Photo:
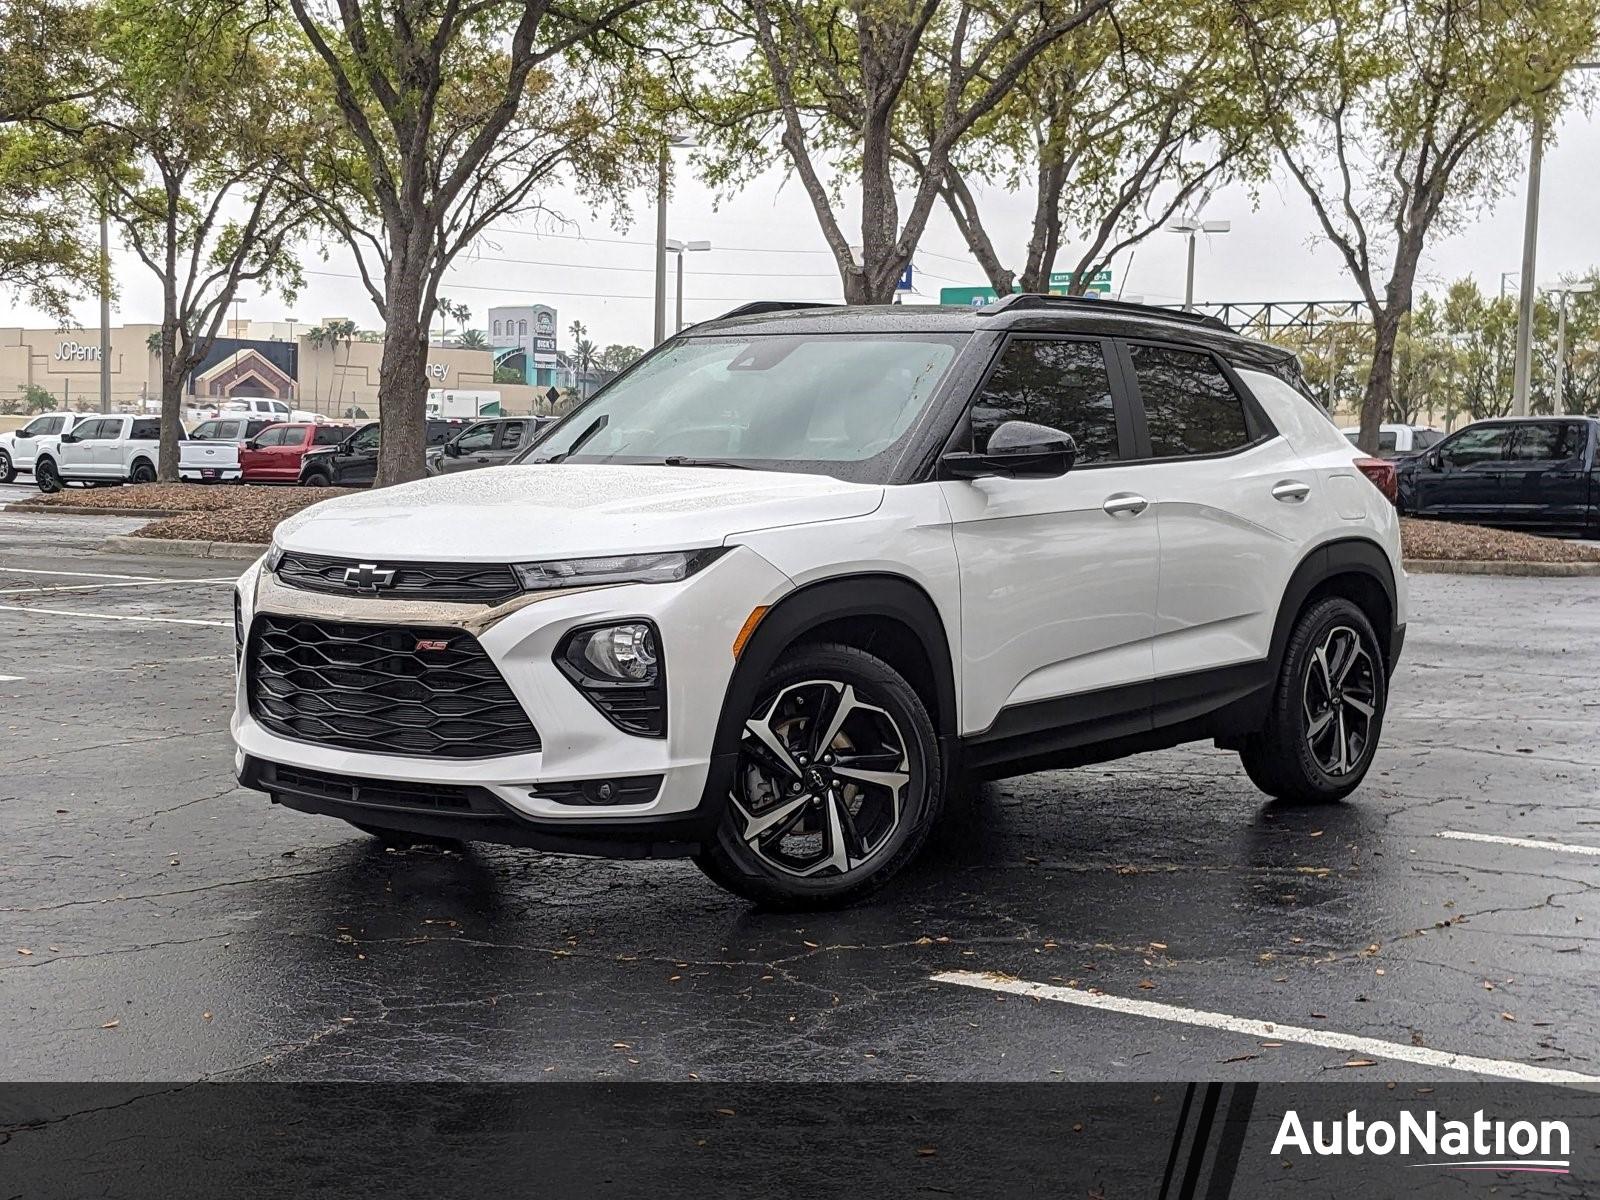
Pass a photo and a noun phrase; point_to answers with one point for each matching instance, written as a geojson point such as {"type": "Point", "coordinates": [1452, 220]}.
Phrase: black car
{"type": "Point", "coordinates": [354, 461]}
{"type": "Point", "coordinates": [486, 443]}
{"type": "Point", "coordinates": [1538, 474]}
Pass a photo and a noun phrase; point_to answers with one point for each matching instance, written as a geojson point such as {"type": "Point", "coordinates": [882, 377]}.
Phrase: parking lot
{"type": "Point", "coordinates": [1153, 918]}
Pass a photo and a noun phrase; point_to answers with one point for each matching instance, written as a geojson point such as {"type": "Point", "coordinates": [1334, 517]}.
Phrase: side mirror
{"type": "Point", "coordinates": [453, 449]}
{"type": "Point", "coordinates": [1435, 460]}
{"type": "Point", "coordinates": [23, 433]}
{"type": "Point", "coordinates": [1017, 450]}
{"type": "Point", "coordinates": [251, 444]}
{"type": "Point", "coordinates": [69, 437]}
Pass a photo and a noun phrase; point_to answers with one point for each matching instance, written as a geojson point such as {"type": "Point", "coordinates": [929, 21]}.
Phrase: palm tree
{"type": "Point", "coordinates": [473, 339]}
{"type": "Point", "coordinates": [584, 353]}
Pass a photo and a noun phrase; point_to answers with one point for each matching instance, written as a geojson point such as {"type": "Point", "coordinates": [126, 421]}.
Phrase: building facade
{"type": "Point", "coordinates": [524, 338]}
{"type": "Point", "coordinates": [338, 379]}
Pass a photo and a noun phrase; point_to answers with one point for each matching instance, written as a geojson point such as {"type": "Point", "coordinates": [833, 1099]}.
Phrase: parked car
{"type": "Point", "coordinates": [486, 443]}
{"type": "Point", "coordinates": [354, 461]}
{"type": "Point", "coordinates": [1536, 474]}
{"type": "Point", "coordinates": [1397, 441]}
{"type": "Point", "coordinates": [259, 406]}
{"type": "Point", "coordinates": [761, 597]}
{"type": "Point", "coordinates": [210, 454]}
{"type": "Point", "coordinates": [19, 448]}
{"type": "Point", "coordinates": [101, 450]}
{"type": "Point", "coordinates": [274, 455]}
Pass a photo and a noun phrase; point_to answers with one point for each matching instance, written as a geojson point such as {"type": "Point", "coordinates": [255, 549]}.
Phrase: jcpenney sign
{"type": "Point", "coordinates": [77, 352]}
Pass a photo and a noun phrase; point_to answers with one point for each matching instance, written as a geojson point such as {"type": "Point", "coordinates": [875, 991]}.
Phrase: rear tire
{"type": "Point", "coordinates": [1327, 708]}
{"type": "Point", "coordinates": [838, 783]}
{"type": "Point", "coordinates": [45, 475]}
{"type": "Point", "coordinates": [8, 469]}
{"type": "Point", "coordinates": [143, 472]}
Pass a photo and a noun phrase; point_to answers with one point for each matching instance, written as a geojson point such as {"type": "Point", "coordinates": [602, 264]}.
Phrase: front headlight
{"type": "Point", "coordinates": [271, 559]}
{"type": "Point", "coordinates": [623, 568]}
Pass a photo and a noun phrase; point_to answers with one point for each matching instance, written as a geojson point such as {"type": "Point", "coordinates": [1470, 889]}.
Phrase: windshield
{"type": "Point", "coordinates": [828, 404]}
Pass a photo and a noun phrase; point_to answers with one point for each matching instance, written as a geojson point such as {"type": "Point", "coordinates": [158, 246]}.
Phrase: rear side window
{"type": "Point", "coordinates": [1548, 442]}
{"type": "Point", "coordinates": [1064, 385]}
{"type": "Point", "coordinates": [1421, 439]}
{"type": "Point", "coordinates": [146, 430]}
{"type": "Point", "coordinates": [329, 435]}
{"type": "Point", "coordinates": [1189, 406]}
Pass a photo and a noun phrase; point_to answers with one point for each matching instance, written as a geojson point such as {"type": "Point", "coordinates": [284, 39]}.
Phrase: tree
{"type": "Point", "coordinates": [438, 118]}
{"type": "Point", "coordinates": [618, 357]}
{"type": "Point", "coordinates": [473, 339]}
{"type": "Point", "coordinates": [1405, 116]}
{"type": "Point", "coordinates": [1117, 126]}
{"type": "Point", "coordinates": [50, 71]}
{"type": "Point", "coordinates": [584, 355]}
{"type": "Point", "coordinates": [827, 89]}
{"type": "Point", "coordinates": [192, 108]}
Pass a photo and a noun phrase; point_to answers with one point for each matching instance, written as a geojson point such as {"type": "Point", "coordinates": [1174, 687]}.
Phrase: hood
{"type": "Point", "coordinates": [530, 512]}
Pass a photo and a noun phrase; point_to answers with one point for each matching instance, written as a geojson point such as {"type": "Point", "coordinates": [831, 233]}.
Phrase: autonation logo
{"type": "Point", "coordinates": [1476, 1145]}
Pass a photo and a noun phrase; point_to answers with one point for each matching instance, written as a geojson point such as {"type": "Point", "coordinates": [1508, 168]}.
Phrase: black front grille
{"type": "Point", "coordinates": [382, 793]}
{"type": "Point", "coordinates": [472, 583]}
{"type": "Point", "coordinates": [383, 689]}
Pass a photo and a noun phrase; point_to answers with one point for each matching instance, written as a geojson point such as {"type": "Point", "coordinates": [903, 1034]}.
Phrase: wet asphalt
{"type": "Point", "coordinates": [163, 924]}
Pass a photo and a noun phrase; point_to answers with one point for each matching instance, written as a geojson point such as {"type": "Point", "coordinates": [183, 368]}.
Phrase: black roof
{"type": "Point", "coordinates": [1042, 314]}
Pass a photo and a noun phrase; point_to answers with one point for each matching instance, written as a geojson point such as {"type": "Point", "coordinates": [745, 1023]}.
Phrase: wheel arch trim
{"type": "Point", "coordinates": [1342, 556]}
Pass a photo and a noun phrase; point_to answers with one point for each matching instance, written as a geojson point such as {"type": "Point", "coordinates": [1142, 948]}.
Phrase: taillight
{"type": "Point", "coordinates": [1382, 474]}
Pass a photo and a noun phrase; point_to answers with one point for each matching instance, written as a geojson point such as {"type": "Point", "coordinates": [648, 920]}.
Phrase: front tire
{"type": "Point", "coordinates": [316, 479]}
{"type": "Point", "coordinates": [838, 783]}
{"type": "Point", "coordinates": [1327, 708]}
{"type": "Point", "coordinates": [45, 475]}
{"type": "Point", "coordinates": [8, 469]}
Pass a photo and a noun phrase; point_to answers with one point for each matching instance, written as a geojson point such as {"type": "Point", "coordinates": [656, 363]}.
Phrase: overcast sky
{"type": "Point", "coordinates": [766, 245]}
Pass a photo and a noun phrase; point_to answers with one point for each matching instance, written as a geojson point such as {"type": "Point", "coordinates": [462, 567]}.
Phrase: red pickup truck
{"type": "Point", "coordinates": [274, 454]}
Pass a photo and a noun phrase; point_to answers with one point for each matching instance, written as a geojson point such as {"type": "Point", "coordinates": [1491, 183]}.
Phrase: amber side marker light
{"type": "Point", "coordinates": [747, 629]}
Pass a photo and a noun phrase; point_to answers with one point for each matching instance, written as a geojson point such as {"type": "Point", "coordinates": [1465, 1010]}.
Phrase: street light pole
{"type": "Point", "coordinates": [1558, 403]}
{"type": "Point", "coordinates": [680, 249]}
{"type": "Point", "coordinates": [663, 173]}
{"type": "Point", "coordinates": [105, 311]}
{"type": "Point", "coordinates": [1192, 228]}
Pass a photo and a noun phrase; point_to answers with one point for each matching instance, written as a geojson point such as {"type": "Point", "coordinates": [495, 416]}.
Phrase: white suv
{"type": "Point", "coordinates": [19, 449]}
{"type": "Point", "coordinates": [764, 595]}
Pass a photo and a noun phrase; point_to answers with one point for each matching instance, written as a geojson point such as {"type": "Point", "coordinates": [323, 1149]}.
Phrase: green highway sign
{"type": "Point", "coordinates": [1060, 282]}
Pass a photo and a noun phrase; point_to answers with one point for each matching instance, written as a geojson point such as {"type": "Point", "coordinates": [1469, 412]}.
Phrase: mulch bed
{"type": "Point", "coordinates": [1442, 540]}
{"type": "Point", "coordinates": [249, 513]}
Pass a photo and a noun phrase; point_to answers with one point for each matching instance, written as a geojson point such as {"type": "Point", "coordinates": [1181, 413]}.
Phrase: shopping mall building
{"type": "Point", "coordinates": [279, 360]}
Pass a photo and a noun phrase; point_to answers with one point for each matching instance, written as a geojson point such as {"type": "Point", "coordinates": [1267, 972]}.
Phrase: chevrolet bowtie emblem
{"type": "Point", "coordinates": [367, 577]}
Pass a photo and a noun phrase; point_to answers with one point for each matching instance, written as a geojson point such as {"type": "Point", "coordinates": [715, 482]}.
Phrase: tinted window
{"type": "Point", "coordinates": [1478, 444]}
{"type": "Point", "coordinates": [251, 428]}
{"type": "Point", "coordinates": [1388, 442]}
{"type": "Point", "coordinates": [1550, 441]}
{"type": "Point", "coordinates": [93, 431]}
{"type": "Point", "coordinates": [479, 437]}
{"type": "Point", "coordinates": [329, 435]}
{"type": "Point", "coordinates": [279, 435]}
{"type": "Point", "coordinates": [1064, 385]}
{"type": "Point", "coordinates": [44, 425]}
{"type": "Point", "coordinates": [146, 430]}
{"type": "Point", "coordinates": [1189, 405]}
{"type": "Point", "coordinates": [207, 431]}
{"type": "Point", "coordinates": [510, 435]}
{"type": "Point", "coordinates": [367, 439]}
{"type": "Point", "coordinates": [1421, 439]}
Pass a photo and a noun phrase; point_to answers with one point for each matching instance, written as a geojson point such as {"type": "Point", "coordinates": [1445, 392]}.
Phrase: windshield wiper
{"type": "Point", "coordinates": [598, 424]}
{"type": "Point", "coordinates": [678, 460]}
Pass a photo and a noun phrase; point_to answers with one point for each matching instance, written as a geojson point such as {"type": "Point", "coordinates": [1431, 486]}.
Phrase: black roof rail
{"type": "Point", "coordinates": [1038, 300]}
{"type": "Point", "coordinates": [756, 307]}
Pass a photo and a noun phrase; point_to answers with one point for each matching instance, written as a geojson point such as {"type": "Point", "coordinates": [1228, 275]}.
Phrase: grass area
{"type": "Point", "coordinates": [248, 513]}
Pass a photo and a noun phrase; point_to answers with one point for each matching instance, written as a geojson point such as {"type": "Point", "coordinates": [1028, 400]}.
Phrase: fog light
{"type": "Point", "coordinates": [623, 652]}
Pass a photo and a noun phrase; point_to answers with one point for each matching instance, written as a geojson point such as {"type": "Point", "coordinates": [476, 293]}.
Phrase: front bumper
{"type": "Point", "coordinates": [529, 798]}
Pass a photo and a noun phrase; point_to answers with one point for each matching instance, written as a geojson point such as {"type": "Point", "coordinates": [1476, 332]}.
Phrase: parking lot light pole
{"type": "Point", "coordinates": [680, 249]}
{"type": "Point", "coordinates": [663, 175]}
{"type": "Point", "coordinates": [1558, 402]}
{"type": "Point", "coordinates": [1192, 229]}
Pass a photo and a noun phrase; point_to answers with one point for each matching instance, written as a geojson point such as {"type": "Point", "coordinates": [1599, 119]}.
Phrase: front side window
{"type": "Point", "coordinates": [1064, 385]}
{"type": "Point", "coordinates": [366, 439]}
{"type": "Point", "coordinates": [824, 403]}
{"type": "Point", "coordinates": [44, 425]}
{"type": "Point", "coordinates": [94, 431]}
{"type": "Point", "coordinates": [479, 437]}
{"type": "Point", "coordinates": [1478, 444]}
{"type": "Point", "coordinates": [1190, 408]}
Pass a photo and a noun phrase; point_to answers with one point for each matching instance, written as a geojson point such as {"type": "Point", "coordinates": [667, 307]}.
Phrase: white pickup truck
{"type": "Point", "coordinates": [258, 406]}
{"type": "Point", "coordinates": [100, 450]}
{"type": "Point", "coordinates": [19, 449]}
{"type": "Point", "coordinates": [210, 454]}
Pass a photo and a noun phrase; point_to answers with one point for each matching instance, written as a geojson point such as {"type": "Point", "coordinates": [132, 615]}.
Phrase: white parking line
{"type": "Point", "coordinates": [1496, 839]}
{"type": "Point", "coordinates": [95, 587]}
{"type": "Point", "coordinates": [10, 678]}
{"type": "Point", "coordinates": [1326, 1038]}
{"type": "Point", "coordinates": [63, 612]}
{"type": "Point", "coordinates": [79, 574]}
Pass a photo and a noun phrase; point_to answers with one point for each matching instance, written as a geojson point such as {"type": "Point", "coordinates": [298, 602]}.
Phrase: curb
{"type": "Point", "coordinates": [1539, 570]}
{"type": "Point", "coordinates": [183, 548]}
{"type": "Point", "coordinates": [84, 510]}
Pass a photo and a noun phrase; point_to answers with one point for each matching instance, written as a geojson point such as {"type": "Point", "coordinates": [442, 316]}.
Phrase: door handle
{"type": "Point", "coordinates": [1125, 504]}
{"type": "Point", "coordinates": [1291, 491]}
